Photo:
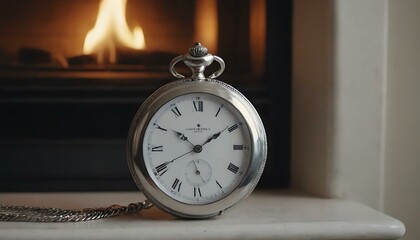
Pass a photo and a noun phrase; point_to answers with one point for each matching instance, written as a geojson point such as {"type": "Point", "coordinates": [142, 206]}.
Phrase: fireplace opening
{"type": "Point", "coordinates": [73, 73]}
{"type": "Point", "coordinates": [113, 34]}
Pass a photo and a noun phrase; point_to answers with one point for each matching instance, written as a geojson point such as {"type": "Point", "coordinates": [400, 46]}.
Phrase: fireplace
{"type": "Point", "coordinates": [65, 107]}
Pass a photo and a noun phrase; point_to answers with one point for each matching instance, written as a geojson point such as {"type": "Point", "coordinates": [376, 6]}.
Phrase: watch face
{"type": "Point", "coordinates": [196, 148]}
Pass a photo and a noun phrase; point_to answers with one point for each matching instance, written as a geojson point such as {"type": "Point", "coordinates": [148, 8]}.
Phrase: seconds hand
{"type": "Point", "coordinates": [197, 171]}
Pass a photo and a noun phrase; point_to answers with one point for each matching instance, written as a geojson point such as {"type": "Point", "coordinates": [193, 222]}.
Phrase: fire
{"type": "Point", "coordinates": [111, 26]}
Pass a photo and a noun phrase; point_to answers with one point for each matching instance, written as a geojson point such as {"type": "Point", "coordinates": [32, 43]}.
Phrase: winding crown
{"type": "Point", "coordinates": [198, 50]}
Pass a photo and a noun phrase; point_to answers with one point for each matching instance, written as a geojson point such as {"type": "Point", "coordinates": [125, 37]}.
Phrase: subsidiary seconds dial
{"type": "Point", "coordinates": [196, 148]}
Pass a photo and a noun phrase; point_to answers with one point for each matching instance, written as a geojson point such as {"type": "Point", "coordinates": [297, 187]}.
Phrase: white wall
{"type": "Point", "coordinates": [311, 96]}
{"type": "Point", "coordinates": [338, 98]}
{"type": "Point", "coordinates": [402, 159]}
{"type": "Point", "coordinates": [356, 103]}
{"type": "Point", "coordinates": [359, 73]}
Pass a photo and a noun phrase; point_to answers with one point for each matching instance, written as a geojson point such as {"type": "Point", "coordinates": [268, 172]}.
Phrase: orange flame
{"type": "Point", "coordinates": [111, 25]}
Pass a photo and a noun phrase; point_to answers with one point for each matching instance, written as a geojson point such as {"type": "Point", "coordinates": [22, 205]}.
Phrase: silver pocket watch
{"type": "Point", "coordinates": [196, 146]}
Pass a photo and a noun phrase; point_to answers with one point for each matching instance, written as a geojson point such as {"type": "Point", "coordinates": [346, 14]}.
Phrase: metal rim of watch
{"type": "Point", "coordinates": [136, 135]}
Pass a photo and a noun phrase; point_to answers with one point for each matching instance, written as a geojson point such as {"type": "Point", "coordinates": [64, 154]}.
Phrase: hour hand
{"type": "Point", "coordinates": [182, 137]}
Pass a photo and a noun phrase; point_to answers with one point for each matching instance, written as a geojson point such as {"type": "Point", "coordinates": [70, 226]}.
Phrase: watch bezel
{"type": "Point", "coordinates": [258, 145]}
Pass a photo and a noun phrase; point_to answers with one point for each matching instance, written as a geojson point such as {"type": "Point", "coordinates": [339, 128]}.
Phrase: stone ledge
{"type": "Point", "coordinates": [264, 215]}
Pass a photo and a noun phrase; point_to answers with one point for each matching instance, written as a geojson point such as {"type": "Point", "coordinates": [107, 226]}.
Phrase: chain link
{"type": "Point", "coordinates": [11, 213]}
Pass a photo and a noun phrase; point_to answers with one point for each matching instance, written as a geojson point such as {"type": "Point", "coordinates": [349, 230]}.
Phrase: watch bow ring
{"type": "Point", "coordinates": [197, 59]}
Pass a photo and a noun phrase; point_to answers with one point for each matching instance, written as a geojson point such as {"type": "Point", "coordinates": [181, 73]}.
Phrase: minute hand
{"type": "Point", "coordinates": [180, 156]}
{"type": "Point", "coordinates": [171, 161]}
{"type": "Point", "coordinates": [216, 135]}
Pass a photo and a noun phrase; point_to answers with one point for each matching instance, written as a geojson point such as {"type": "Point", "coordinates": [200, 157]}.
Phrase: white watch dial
{"type": "Point", "coordinates": [196, 148]}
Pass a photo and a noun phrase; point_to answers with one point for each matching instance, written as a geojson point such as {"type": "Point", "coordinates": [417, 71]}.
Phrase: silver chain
{"type": "Point", "coordinates": [11, 213]}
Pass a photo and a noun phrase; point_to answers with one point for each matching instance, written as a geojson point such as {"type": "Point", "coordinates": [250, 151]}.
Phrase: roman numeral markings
{"type": "Point", "coordinates": [157, 149]}
{"type": "Point", "coordinates": [198, 106]}
{"type": "Point", "coordinates": [238, 147]}
{"type": "Point", "coordinates": [233, 168]}
{"type": "Point", "coordinates": [162, 168]}
{"type": "Point", "coordinates": [233, 128]}
{"type": "Point", "coordinates": [176, 111]}
{"type": "Point", "coordinates": [197, 191]}
{"type": "Point", "coordinates": [218, 110]}
{"type": "Point", "coordinates": [176, 185]}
